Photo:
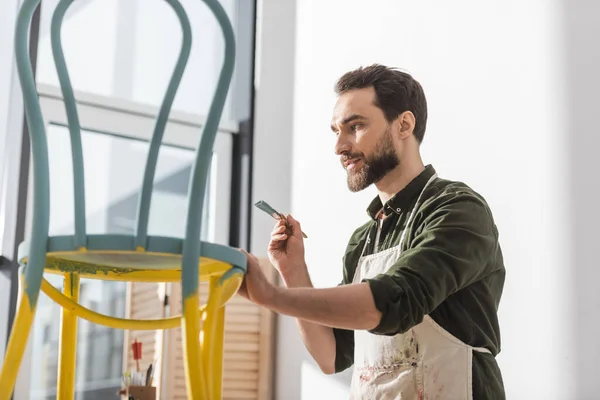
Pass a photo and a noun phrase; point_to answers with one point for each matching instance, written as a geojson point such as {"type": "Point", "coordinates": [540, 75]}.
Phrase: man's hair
{"type": "Point", "coordinates": [395, 93]}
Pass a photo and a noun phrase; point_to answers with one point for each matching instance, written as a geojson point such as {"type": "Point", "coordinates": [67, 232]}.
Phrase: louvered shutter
{"type": "Point", "coordinates": [248, 349]}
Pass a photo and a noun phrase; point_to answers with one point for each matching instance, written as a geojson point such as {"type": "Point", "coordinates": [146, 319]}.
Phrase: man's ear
{"type": "Point", "coordinates": [405, 124]}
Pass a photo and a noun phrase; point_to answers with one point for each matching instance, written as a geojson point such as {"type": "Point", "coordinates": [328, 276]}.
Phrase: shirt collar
{"type": "Point", "coordinates": [403, 198]}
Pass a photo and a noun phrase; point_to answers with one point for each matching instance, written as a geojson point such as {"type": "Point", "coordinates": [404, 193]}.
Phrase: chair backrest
{"type": "Point", "coordinates": [39, 145]}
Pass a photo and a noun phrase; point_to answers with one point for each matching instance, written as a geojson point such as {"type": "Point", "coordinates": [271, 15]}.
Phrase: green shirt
{"type": "Point", "coordinates": [450, 268]}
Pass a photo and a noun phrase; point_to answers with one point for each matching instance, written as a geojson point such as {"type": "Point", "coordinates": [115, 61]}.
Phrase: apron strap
{"type": "Point", "coordinates": [412, 213]}
{"type": "Point", "coordinates": [367, 241]}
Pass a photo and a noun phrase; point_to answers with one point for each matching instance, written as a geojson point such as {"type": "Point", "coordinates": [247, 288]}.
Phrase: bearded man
{"type": "Point", "coordinates": [416, 311]}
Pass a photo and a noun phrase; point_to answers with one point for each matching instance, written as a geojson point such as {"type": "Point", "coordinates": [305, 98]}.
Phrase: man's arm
{"type": "Point", "coordinates": [455, 245]}
{"type": "Point", "coordinates": [345, 307]}
{"type": "Point", "coordinates": [452, 251]}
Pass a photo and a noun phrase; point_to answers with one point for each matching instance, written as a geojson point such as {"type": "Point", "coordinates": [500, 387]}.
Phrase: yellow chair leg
{"type": "Point", "coordinates": [194, 373]}
{"type": "Point", "coordinates": [212, 347]}
{"type": "Point", "coordinates": [16, 347]}
{"type": "Point", "coordinates": [67, 345]}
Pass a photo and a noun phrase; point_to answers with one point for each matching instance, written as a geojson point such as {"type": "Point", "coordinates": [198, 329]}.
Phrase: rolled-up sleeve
{"type": "Point", "coordinates": [344, 349]}
{"type": "Point", "coordinates": [344, 346]}
{"type": "Point", "coordinates": [451, 249]}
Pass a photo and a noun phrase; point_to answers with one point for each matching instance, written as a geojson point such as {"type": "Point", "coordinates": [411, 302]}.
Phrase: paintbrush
{"type": "Point", "coordinates": [263, 205]}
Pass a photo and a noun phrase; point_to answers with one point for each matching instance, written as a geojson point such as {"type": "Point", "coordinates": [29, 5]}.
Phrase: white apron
{"type": "Point", "coordinates": [424, 363]}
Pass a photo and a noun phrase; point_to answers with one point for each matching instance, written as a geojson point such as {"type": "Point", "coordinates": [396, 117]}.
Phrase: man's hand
{"type": "Point", "coordinates": [286, 251]}
{"type": "Point", "coordinates": [256, 287]}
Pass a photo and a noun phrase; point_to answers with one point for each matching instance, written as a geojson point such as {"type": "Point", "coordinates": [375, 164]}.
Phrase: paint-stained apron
{"type": "Point", "coordinates": [424, 363]}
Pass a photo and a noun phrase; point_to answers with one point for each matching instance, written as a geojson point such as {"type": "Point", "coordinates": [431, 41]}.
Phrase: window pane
{"type": "Point", "coordinates": [99, 349]}
{"type": "Point", "coordinates": [128, 49]}
{"type": "Point", "coordinates": [114, 168]}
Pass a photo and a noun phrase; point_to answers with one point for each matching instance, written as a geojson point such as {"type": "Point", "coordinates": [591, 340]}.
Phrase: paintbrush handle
{"type": "Point", "coordinates": [281, 216]}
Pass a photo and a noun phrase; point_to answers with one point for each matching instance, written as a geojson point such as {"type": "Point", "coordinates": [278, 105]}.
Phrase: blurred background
{"type": "Point", "coordinates": [512, 92]}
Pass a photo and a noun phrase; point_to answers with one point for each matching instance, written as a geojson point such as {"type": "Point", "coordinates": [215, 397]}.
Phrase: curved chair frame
{"type": "Point", "coordinates": [222, 266]}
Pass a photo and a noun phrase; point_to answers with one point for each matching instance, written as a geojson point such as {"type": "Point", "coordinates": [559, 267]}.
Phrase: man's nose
{"type": "Point", "coordinates": [342, 145]}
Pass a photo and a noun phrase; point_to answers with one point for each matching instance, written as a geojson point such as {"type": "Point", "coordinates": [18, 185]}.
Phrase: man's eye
{"type": "Point", "coordinates": [355, 127]}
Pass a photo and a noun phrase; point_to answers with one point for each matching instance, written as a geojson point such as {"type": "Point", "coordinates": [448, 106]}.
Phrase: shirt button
{"type": "Point", "coordinates": [397, 209]}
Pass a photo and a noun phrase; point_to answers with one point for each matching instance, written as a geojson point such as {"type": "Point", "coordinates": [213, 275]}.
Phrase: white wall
{"type": "Point", "coordinates": [582, 61]}
{"type": "Point", "coordinates": [512, 102]}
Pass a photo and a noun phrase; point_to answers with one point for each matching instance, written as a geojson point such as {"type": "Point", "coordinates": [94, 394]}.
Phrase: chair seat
{"type": "Point", "coordinates": [114, 257]}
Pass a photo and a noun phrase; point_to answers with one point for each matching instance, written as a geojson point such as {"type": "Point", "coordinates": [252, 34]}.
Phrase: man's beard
{"type": "Point", "coordinates": [376, 166]}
